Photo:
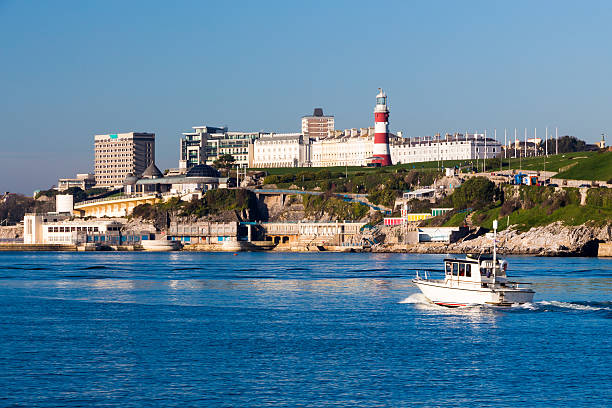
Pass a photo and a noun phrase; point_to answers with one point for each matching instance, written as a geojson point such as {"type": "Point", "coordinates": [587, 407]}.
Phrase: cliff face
{"type": "Point", "coordinates": [554, 239]}
{"type": "Point", "coordinates": [11, 232]}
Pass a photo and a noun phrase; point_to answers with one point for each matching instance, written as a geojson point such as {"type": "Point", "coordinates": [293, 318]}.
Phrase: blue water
{"type": "Point", "coordinates": [261, 329]}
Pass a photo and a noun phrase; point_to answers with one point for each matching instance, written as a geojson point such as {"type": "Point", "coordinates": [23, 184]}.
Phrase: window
{"type": "Point", "coordinates": [455, 268]}
{"type": "Point", "coordinates": [449, 268]}
{"type": "Point", "coordinates": [468, 270]}
{"type": "Point", "coordinates": [461, 269]}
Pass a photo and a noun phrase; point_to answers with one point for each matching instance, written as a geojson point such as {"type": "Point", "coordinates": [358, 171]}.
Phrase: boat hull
{"type": "Point", "coordinates": [443, 295]}
{"type": "Point", "coordinates": [160, 245]}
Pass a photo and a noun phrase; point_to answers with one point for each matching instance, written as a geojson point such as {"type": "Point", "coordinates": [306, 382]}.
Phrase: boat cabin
{"type": "Point", "coordinates": [475, 269]}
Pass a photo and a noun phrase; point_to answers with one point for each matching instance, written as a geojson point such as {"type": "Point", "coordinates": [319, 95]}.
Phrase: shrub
{"type": "Point", "coordinates": [599, 197]}
{"type": "Point", "coordinates": [271, 179]}
{"type": "Point", "coordinates": [476, 192]}
{"type": "Point", "coordinates": [509, 206]}
{"type": "Point", "coordinates": [384, 197]}
{"type": "Point", "coordinates": [479, 217]}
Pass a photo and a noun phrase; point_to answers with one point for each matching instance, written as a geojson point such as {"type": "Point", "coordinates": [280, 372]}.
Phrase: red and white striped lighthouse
{"type": "Point", "coordinates": [381, 151]}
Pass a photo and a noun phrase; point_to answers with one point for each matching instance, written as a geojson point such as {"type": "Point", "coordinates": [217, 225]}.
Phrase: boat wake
{"type": "Point", "coordinates": [421, 302]}
{"type": "Point", "coordinates": [416, 298]}
{"type": "Point", "coordinates": [552, 305]}
{"type": "Point", "coordinates": [603, 308]}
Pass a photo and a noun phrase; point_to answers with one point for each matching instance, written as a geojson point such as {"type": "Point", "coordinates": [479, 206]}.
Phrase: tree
{"type": "Point", "coordinates": [224, 161]}
{"type": "Point", "coordinates": [476, 192]}
{"type": "Point", "coordinates": [567, 144]}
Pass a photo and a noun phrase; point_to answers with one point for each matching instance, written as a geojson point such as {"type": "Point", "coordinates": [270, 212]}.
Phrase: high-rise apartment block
{"type": "Point", "coordinates": [317, 125]}
{"type": "Point", "coordinates": [120, 154]}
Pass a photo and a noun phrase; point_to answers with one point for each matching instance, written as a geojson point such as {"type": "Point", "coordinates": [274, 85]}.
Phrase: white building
{"type": "Point", "coordinates": [448, 147]}
{"type": "Point", "coordinates": [281, 150]}
{"type": "Point", "coordinates": [351, 148]}
{"type": "Point", "coordinates": [84, 181]}
{"type": "Point", "coordinates": [33, 226]}
{"type": "Point", "coordinates": [54, 228]}
{"type": "Point", "coordinates": [71, 232]}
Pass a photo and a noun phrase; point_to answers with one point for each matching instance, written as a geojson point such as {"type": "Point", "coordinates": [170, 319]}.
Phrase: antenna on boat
{"type": "Point", "coordinates": [494, 249]}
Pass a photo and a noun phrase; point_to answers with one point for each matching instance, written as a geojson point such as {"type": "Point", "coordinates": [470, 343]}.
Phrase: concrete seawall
{"type": "Point", "coordinates": [605, 249]}
{"type": "Point", "coordinates": [37, 247]}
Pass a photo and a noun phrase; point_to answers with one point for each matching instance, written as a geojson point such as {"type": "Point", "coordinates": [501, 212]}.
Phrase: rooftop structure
{"type": "Point", "coordinates": [198, 179]}
{"type": "Point", "coordinates": [84, 181]}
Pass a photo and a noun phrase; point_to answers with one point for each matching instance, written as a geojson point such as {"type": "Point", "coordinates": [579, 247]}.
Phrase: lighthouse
{"type": "Point", "coordinates": [381, 153]}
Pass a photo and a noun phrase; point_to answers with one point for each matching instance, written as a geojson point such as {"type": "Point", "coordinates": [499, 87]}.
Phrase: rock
{"type": "Point", "coordinates": [550, 240]}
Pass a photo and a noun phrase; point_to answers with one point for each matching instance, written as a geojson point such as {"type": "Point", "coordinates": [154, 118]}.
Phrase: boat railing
{"type": "Point", "coordinates": [425, 276]}
{"type": "Point", "coordinates": [516, 284]}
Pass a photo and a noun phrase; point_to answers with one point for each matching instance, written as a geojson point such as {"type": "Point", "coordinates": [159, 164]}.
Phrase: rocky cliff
{"type": "Point", "coordinates": [555, 239]}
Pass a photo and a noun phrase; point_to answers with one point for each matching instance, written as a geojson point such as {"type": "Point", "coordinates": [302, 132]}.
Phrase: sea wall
{"type": "Point", "coordinates": [605, 249]}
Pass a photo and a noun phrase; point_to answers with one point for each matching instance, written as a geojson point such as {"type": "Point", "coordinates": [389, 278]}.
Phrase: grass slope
{"type": "Point", "coordinates": [540, 163]}
{"type": "Point", "coordinates": [588, 166]}
{"type": "Point", "coordinates": [525, 219]}
{"type": "Point", "coordinates": [597, 166]}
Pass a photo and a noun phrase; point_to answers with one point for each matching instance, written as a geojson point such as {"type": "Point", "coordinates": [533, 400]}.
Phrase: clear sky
{"type": "Point", "coordinates": [72, 69]}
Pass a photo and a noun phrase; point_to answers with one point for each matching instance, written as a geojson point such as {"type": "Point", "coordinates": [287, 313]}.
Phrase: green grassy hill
{"type": "Point", "coordinates": [597, 166]}
{"type": "Point", "coordinates": [589, 166]}
{"type": "Point", "coordinates": [550, 163]}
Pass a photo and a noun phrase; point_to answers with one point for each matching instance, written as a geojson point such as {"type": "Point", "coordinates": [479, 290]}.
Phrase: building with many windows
{"type": "Point", "coordinates": [448, 147]}
{"type": "Point", "coordinates": [206, 144]}
{"type": "Point", "coordinates": [351, 147]}
{"type": "Point", "coordinates": [117, 155]}
{"type": "Point", "coordinates": [281, 150]}
{"type": "Point", "coordinates": [234, 143]}
{"type": "Point", "coordinates": [317, 125]}
{"type": "Point", "coordinates": [194, 145]}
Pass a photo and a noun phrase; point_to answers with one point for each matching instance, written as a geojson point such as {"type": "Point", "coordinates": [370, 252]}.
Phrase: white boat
{"type": "Point", "coordinates": [474, 280]}
{"type": "Point", "coordinates": [160, 245]}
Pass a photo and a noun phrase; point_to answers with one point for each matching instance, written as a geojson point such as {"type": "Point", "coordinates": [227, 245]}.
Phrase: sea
{"type": "Point", "coordinates": [185, 329]}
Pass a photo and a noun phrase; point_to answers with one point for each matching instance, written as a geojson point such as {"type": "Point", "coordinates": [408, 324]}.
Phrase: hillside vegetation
{"type": "Point", "coordinates": [212, 203]}
{"type": "Point", "coordinates": [382, 185]}
{"type": "Point", "coordinates": [317, 206]}
{"type": "Point", "coordinates": [528, 206]}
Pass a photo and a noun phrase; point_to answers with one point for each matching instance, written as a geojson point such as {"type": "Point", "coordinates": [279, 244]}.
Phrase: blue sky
{"type": "Point", "coordinates": [72, 69]}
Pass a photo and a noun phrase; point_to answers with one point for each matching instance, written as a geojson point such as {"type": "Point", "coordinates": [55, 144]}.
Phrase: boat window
{"type": "Point", "coordinates": [468, 270]}
{"type": "Point", "coordinates": [455, 268]}
{"type": "Point", "coordinates": [449, 268]}
{"type": "Point", "coordinates": [461, 269]}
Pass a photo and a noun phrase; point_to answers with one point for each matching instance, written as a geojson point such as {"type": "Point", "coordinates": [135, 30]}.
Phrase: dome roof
{"type": "Point", "coordinates": [130, 179]}
{"type": "Point", "coordinates": [202, 170]}
{"type": "Point", "coordinates": [152, 171]}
